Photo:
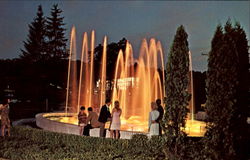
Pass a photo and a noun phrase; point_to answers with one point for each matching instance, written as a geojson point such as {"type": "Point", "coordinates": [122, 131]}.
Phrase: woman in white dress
{"type": "Point", "coordinates": [153, 126]}
{"type": "Point", "coordinates": [116, 121]}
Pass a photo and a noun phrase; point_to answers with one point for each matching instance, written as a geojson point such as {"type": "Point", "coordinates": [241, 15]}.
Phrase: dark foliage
{"type": "Point", "coordinates": [227, 101]}
{"type": "Point", "coordinates": [177, 96]}
{"type": "Point", "coordinates": [34, 47]}
{"type": "Point", "coordinates": [34, 83]}
{"type": "Point", "coordinates": [112, 54]}
{"type": "Point", "coordinates": [56, 41]}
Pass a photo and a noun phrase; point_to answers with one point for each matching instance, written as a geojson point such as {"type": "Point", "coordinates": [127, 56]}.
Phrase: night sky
{"type": "Point", "coordinates": [133, 20]}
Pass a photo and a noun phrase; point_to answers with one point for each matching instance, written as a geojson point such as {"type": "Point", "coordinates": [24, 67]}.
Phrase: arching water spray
{"type": "Point", "coordinates": [103, 72]}
{"type": "Point", "coordinates": [71, 74]}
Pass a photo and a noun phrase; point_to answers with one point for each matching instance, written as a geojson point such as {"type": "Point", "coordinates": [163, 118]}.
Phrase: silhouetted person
{"type": "Point", "coordinates": [104, 116]}
{"type": "Point", "coordinates": [92, 121]}
{"type": "Point", "coordinates": [161, 111]}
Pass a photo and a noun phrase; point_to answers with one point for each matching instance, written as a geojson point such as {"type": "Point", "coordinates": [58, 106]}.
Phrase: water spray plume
{"type": "Point", "coordinates": [85, 82]}
{"type": "Point", "coordinates": [191, 86]}
{"type": "Point", "coordinates": [71, 74]}
{"type": "Point", "coordinates": [103, 72]}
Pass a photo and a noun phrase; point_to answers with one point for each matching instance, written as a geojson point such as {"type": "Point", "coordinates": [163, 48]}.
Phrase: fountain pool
{"type": "Point", "coordinates": [67, 123]}
{"type": "Point", "coordinates": [134, 87]}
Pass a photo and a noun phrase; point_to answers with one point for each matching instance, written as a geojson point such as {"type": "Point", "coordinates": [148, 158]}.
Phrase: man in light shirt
{"type": "Point", "coordinates": [92, 121]}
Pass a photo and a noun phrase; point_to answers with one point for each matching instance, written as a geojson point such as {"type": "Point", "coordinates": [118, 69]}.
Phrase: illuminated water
{"type": "Point", "coordinates": [193, 128]}
{"type": "Point", "coordinates": [134, 87]}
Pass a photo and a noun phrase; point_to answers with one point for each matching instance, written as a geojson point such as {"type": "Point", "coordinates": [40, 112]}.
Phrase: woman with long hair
{"type": "Point", "coordinates": [116, 121]}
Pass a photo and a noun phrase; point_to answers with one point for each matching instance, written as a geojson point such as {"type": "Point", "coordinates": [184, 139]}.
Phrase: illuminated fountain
{"type": "Point", "coordinates": [136, 87]}
{"type": "Point", "coordinates": [136, 83]}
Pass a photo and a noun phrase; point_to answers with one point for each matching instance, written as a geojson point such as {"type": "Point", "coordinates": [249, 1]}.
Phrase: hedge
{"type": "Point", "coordinates": [35, 144]}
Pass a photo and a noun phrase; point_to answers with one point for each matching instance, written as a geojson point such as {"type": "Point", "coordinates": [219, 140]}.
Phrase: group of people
{"type": "Point", "coordinates": [92, 120]}
{"type": "Point", "coordinates": [5, 120]}
{"type": "Point", "coordinates": [87, 122]}
{"type": "Point", "coordinates": [155, 118]}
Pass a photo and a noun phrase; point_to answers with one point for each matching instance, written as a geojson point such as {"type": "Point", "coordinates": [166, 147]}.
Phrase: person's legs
{"type": "Point", "coordinates": [160, 130]}
{"type": "Point", "coordinates": [111, 133]}
{"type": "Point", "coordinates": [8, 130]}
{"type": "Point", "coordinates": [116, 134]}
{"type": "Point", "coordinates": [87, 129]}
{"type": "Point", "coordinates": [102, 125]}
{"type": "Point", "coordinates": [2, 130]}
{"type": "Point", "coordinates": [81, 129]}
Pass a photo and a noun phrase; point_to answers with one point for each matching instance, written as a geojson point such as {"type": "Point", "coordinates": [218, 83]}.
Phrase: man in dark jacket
{"type": "Point", "coordinates": [161, 111]}
{"type": "Point", "coordinates": [104, 116]}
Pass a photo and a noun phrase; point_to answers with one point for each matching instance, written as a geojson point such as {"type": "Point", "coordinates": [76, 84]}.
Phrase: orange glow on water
{"type": "Point", "coordinates": [136, 124]}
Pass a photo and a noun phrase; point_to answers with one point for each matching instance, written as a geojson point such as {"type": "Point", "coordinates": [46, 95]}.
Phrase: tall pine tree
{"type": "Point", "coordinates": [177, 96]}
{"type": "Point", "coordinates": [56, 41]}
{"type": "Point", "coordinates": [226, 99]}
{"type": "Point", "coordinates": [34, 47]}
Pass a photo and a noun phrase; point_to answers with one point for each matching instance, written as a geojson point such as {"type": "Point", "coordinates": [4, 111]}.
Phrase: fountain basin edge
{"type": "Point", "coordinates": [54, 126]}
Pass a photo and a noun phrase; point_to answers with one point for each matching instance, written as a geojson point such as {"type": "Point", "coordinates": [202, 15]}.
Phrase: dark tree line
{"type": "Point", "coordinates": [46, 39]}
{"type": "Point", "coordinates": [228, 102]}
{"type": "Point", "coordinates": [45, 55]}
{"type": "Point", "coordinates": [35, 44]}
{"type": "Point", "coordinates": [227, 92]}
{"type": "Point", "coordinates": [39, 74]}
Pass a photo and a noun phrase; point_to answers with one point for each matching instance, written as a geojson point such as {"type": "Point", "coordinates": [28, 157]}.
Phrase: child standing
{"type": "Point", "coordinates": [4, 108]}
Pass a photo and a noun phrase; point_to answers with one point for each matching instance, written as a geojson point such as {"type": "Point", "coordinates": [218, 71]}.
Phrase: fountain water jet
{"type": "Point", "coordinates": [86, 82]}
{"type": "Point", "coordinates": [91, 66]}
{"type": "Point", "coordinates": [103, 72]}
{"type": "Point", "coordinates": [72, 75]}
{"type": "Point", "coordinates": [85, 89]}
{"type": "Point", "coordinates": [191, 86]}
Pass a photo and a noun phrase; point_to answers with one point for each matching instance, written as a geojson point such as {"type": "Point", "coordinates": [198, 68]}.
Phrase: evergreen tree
{"type": "Point", "coordinates": [56, 41]}
{"type": "Point", "coordinates": [241, 113]}
{"type": "Point", "coordinates": [34, 47]}
{"type": "Point", "coordinates": [226, 112]}
{"type": "Point", "coordinates": [177, 96]}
